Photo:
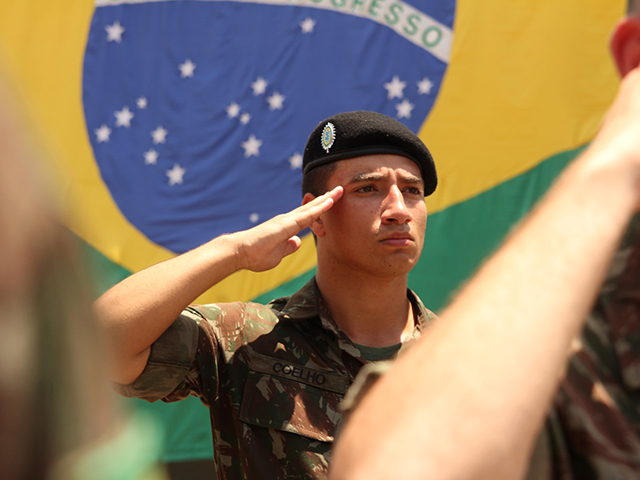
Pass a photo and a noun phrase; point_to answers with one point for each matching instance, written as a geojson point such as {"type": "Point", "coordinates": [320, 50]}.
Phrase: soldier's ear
{"type": "Point", "coordinates": [625, 44]}
{"type": "Point", "coordinates": [307, 198]}
{"type": "Point", "coordinates": [317, 227]}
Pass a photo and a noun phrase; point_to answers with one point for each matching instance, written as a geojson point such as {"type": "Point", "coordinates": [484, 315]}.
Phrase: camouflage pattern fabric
{"type": "Point", "coordinates": [272, 376]}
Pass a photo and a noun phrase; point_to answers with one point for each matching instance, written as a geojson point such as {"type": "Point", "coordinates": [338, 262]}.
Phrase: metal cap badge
{"type": "Point", "coordinates": [328, 136]}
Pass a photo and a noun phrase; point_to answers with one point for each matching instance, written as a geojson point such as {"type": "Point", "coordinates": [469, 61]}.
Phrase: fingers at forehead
{"type": "Point", "coordinates": [323, 202]}
{"type": "Point", "coordinates": [305, 215]}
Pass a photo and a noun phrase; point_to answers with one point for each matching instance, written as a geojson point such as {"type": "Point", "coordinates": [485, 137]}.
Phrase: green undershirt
{"type": "Point", "coordinates": [378, 354]}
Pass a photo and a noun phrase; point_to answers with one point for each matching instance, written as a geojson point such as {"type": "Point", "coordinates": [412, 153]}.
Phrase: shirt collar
{"type": "Point", "coordinates": [307, 303]}
{"type": "Point", "coordinates": [301, 305]}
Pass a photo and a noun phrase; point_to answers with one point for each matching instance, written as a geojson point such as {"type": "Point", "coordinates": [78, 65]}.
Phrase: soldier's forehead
{"type": "Point", "coordinates": [376, 163]}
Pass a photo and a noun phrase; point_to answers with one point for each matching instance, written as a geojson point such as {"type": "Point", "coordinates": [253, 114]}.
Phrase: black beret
{"type": "Point", "coordinates": [355, 134]}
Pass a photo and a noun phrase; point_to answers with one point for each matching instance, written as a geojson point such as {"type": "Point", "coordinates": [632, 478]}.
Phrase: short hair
{"type": "Point", "coordinates": [316, 181]}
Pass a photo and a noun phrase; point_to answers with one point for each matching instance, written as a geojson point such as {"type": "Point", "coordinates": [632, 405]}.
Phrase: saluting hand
{"type": "Point", "coordinates": [264, 246]}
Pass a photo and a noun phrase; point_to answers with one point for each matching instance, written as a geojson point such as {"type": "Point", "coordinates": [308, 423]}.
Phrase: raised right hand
{"type": "Point", "coordinates": [264, 246]}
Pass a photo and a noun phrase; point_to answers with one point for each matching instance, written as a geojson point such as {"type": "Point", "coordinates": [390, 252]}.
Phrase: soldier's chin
{"type": "Point", "coordinates": [400, 266]}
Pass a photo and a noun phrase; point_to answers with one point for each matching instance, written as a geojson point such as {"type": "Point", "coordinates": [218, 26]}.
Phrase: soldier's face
{"type": "Point", "coordinates": [379, 223]}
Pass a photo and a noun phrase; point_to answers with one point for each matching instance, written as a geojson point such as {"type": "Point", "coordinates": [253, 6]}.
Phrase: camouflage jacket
{"type": "Point", "coordinates": [272, 376]}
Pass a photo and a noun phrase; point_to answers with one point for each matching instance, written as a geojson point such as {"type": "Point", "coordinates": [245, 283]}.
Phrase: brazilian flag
{"type": "Point", "coordinates": [171, 122]}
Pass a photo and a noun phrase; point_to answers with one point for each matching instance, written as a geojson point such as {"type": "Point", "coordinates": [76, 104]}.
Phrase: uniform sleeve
{"type": "Point", "coordinates": [173, 369]}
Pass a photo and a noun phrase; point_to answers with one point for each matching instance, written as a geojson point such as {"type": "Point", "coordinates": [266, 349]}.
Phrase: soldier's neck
{"type": "Point", "coordinates": [372, 311]}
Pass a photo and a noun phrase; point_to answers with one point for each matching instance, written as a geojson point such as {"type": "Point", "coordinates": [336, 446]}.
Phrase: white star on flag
{"type": "Point", "coordinates": [123, 117]}
{"type": "Point", "coordinates": [233, 110]}
{"type": "Point", "coordinates": [150, 157]}
{"type": "Point", "coordinates": [404, 109]}
{"type": "Point", "coordinates": [244, 118]}
{"type": "Point", "coordinates": [295, 160]}
{"type": "Point", "coordinates": [142, 103]}
{"type": "Point", "coordinates": [102, 133]}
{"type": "Point", "coordinates": [252, 146]}
{"type": "Point", "coordinates": [307, 25]}
{"type": "Point", "coordinates": [114, 32]}
{"type": "Point", "coordinates": [159, 135]}
{"type": "Point", "coordinates": [259, 86]}
{"type": "Point", "coordinates": [187, 68]}
{"type": "Point", "coordinates": [175, 174]}
{"type": "Point", "coordinates": [395, 88]}
{"type": "Point", "coordinates": [254, 217]}
{"type": "Point", "coordinates": [275, 101]}
{"type": "Point", "coordinates": [424, 86]}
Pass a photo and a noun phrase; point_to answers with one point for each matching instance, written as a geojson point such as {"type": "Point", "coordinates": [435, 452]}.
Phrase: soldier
{"type": "Point", "coordinates": [496, 361]}
{"type": "Point", "coordinates": [273, 376]}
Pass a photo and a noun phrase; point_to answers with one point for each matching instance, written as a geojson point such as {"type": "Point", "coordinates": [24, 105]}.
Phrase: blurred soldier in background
{"type": "Point", "coordinates": [58, 418]}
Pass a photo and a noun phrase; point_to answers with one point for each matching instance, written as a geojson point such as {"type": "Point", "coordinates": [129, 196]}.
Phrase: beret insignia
{"type": "Point", "coordinates": [328, 136]}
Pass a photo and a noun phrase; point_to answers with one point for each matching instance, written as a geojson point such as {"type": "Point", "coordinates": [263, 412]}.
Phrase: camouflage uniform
{"type": "Point", "coordinates": [593, 430]}
{"type": "Point", "coordinates": [272, 376]}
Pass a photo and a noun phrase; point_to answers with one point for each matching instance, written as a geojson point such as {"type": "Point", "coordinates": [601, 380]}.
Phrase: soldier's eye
{"type": "Point", "coordinates": [414, 191]}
